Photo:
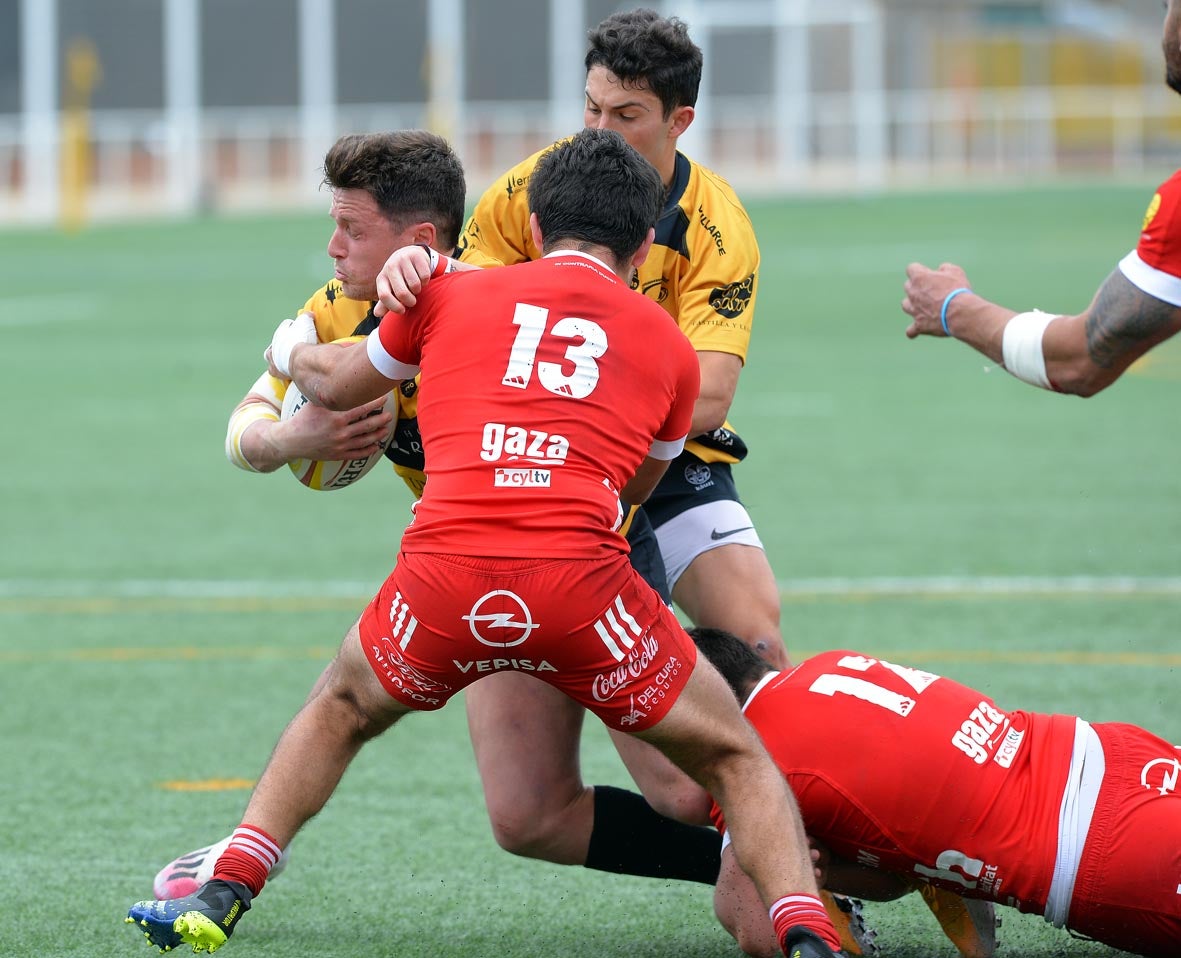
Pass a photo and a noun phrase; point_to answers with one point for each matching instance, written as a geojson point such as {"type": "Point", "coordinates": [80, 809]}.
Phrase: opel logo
{"type": "Point", "coordinates": [500, 619]}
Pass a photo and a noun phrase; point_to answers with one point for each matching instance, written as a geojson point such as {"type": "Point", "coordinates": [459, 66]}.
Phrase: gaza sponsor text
{"type": "Point", "coordinates": [501, 441]}
{"type": "Point", "coordinates": [976, 737]}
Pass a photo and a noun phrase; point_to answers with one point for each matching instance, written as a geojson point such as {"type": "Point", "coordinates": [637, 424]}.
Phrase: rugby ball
{"type": "Point", "coordinates": [326, 476]}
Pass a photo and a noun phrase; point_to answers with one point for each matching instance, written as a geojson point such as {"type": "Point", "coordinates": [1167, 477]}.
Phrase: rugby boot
{"type": "Point", "coordinates": [846, 916]}
{"type": "Point", "coordinates": [969, 923]}
{"type": "Point", "coordinates": [205, 919]}
{"type": "Point", "coordinates": [802, 943]}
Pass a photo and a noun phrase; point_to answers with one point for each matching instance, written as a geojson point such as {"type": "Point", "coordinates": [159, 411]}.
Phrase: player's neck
{"type": "Point", "coordinates": [600, 253]}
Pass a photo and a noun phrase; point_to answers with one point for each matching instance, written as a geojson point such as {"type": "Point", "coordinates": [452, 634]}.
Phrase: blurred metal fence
{"type": "Point", "coordinates": [98, 120]}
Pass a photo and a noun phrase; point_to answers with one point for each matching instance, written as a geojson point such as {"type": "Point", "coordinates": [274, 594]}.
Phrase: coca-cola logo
{"type": "Point", "coordinates": [606, 685]}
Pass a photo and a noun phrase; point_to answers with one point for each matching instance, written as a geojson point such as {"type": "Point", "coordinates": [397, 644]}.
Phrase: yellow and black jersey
{"type": "Point", "coordinates": [703, 267]}
{"type": "Point", "coordinates": [405, 449]}
{"type": "Point", "coordinates": [336, 317]}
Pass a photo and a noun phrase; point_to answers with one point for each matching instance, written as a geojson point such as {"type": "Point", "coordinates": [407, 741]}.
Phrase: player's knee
{"type": "Point", "coordinates": [529, 837]}
{"type": "Point", "coordinates": [770, 646]}
{"type": "Point", "coordinates": [548, 827]}
{"type": "Point", "coordinates": [363, 715]}
{"type": "Point", "coordinates": [764, 637]}
{"type": "Point", "coordinates": [756, 624]}
{"type": "Point", "coordinates": [366, 723]}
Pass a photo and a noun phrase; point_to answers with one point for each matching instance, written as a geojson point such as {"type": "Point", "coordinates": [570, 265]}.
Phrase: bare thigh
{"type": "Point", "coordinates": [732, 587]}
{"type": "Point", "coordinates": [526, 737]}
{"type": "Point", "coordinates": [668, 789]}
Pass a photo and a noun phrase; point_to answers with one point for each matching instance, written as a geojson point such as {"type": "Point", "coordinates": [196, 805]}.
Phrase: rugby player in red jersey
{"type": "Point", "coordinates": [1137, 307]}
{"type": "Point", "coordinates": [913, 780]}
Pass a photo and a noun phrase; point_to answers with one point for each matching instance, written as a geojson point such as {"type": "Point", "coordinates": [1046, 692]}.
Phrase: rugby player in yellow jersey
{"type": "Point", "coordinates": [643, 72]}
{"type": "Point", "coordinates": [642, 78]}
{"type": "Point", "coordinates": [390, 190]}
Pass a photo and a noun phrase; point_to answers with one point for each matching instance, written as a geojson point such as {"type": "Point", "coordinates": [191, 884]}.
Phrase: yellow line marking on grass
{"type": "Point", "coordinates": [209, 785]}
{"type": "Point", "coordinates": [1163, 362]}
{"type": "Point", "coordinates": [118, 605]}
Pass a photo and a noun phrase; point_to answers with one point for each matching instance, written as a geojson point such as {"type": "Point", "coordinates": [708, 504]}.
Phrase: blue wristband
{"type": "Point", "coordinates": [947, 302]}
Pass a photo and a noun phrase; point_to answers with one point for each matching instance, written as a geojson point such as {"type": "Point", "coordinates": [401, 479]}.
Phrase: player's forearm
{"type": "Point", "coordinates": [647, 476]}
{"type": "Point", "coordinates": [260, 444]}
{"type": "Point", "coordinates": [974, 320]}
{"type": "Point", "coordinates": [719, 382]}
{"type": "Point", "coordinates": [251, 418]}
{"type": "Point", "coordinates": [339, 376]}
{"type": "Point", "coordinates": [1039, 348]}
{"type": "Point", "coordinates": [1076, 354]}
{"type": "Point", "coordinates": [316, 370]}
{"type": "Point", "coordinates": [709, 413]}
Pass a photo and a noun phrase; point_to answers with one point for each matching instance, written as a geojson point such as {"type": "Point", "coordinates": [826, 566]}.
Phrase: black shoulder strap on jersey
{"type": "Point", "coordinates": [674, 222]}
{"type": "Point", "coordinates": [368, 324]}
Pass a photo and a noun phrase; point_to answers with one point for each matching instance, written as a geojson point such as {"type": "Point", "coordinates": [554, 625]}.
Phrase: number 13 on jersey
{"type": "Point", "coordinates": [589, 342]}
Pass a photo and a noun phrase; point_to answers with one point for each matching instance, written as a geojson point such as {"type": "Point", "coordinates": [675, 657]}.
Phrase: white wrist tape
{"type": "Point", "coordinates": [289, 334]}
{"type": "Point", "coordinates": [439, 264]}
{"type": "Point", "coordinates": [1021, 347]}
{"type": "Point", "coordinates": [245, 416]}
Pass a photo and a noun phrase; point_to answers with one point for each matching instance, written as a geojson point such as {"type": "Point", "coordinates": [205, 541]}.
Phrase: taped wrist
{"type": "Point", "coordinates": [245, 416]}
{"type": "Point", "coordinates": [439, 263]}
{"type": "Point", "coordinates": [1021, 347]}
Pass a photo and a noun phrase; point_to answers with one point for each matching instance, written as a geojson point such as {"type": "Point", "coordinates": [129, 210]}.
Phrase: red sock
{"type": "Point", "coordinates": [806, 910]}
{"type": "Point", "coordinates": [249, 859]}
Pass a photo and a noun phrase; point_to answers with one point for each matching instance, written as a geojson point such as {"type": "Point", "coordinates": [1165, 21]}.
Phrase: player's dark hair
{"type": "Point", "coordinates": [595, 190]}
{"type": "Point", "coordinates": [648, 51]}
{"type": "Point", "coordinates": [412, 175]}
{"type": "Point", "coordinates": [740, 665]}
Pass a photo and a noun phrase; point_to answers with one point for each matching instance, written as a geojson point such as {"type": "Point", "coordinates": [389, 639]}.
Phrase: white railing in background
{"type": "Point", "coordinates": [257, 160]}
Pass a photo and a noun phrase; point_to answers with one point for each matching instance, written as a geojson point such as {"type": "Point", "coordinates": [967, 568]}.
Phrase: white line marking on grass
{"type": "Point", "coordinates": [837, 586]}
{"type": "Point", "coordinates": [183, 589]}
{"type": "Point", "coordinates": [923, 586]}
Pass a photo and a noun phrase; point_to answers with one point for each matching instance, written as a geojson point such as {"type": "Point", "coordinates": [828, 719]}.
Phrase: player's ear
{"type": "Point", "coordinates": [424, 232]}
{"type": "Point", "coordinates": [535, 230]}
{"type": "Point", "coordinates": [645, 247]}
{"type": "Point", "coordinates": [681, 117]}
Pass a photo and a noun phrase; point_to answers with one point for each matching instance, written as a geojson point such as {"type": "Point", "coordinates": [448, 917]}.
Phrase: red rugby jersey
{"type": "Point", "coordinates": [1155, 265]}
{"type": "Point", "coordinates": [912, 773]}
{"type": "Point", "coordinates": [546, 384]}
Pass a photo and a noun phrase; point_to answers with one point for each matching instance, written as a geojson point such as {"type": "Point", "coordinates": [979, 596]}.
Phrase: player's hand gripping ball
{"type": "Point", "coordinates": [326, 476]}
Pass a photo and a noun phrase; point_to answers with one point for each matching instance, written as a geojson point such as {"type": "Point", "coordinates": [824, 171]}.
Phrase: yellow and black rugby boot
{"type": "Point", "coordinates": [204, 919]}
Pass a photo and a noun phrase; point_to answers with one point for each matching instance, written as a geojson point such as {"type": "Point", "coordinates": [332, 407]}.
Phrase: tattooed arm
{"type": "Point", "coordinates": [1087, 353]}
{"type": "Point", "coordinates": [1082, 354]}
